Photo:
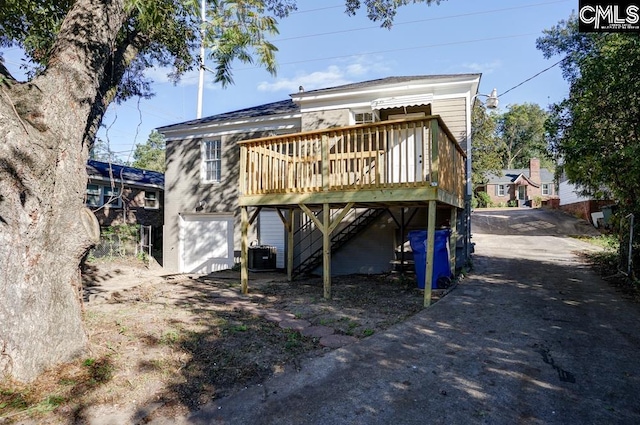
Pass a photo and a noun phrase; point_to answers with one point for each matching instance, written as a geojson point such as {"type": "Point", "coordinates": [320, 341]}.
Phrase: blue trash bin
{"type": "Point", "coordinates": [441, 267]}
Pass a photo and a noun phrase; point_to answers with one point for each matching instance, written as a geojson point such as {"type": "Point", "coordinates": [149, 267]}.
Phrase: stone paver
{"type": "Point", "coordinates": [317, 331]}
{"type": "Point", "coordinates": [337, 341]}
{"type": "Point", "coordinates": [294, 324]}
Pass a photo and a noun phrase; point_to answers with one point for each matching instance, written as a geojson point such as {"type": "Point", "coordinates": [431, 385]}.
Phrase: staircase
{"type": "Point", "coordinates": [339, 239]}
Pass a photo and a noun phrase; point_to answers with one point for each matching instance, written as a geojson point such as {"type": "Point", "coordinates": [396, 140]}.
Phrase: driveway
{"type": "Point", "coordinates": [532, 336]}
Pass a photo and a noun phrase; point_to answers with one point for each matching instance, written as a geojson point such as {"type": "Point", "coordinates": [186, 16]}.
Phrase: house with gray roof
{"type": "Point", "coordinates": [522, 187]}
{"type": "Point", "coordinates": [122, 195]}
{"type": "Point", "coordinates": [378, 151]}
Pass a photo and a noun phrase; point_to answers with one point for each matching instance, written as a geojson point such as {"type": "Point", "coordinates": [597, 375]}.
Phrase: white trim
{"type": "Point", "coordinates": [129, 183]}
{"type": "Point", "coordinates": [243, 125]}
{"type": "Point", "coordinates": [402, 101]}
{"type": "Point", "coordinates": [186, 135]}
{"type": "Point", "coordinates": [203, 168]}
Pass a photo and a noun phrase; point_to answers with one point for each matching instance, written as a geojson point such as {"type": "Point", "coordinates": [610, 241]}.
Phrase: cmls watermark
{"type": "Point", "coordinates": [609, 16]}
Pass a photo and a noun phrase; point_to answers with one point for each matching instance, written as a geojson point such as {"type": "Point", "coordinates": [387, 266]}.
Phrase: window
{"type": "Point", "coordinates": [546, 189]}
{"type": "Point", "coordinates": [98, 196]}
{"type": "Point", "coordinates": [93, 195]}
{"type": "Point", "coordinates": [151, 199]}
{"type": "Point", "coordinates": [500, 190]}
{"type": "Point", "coordinates": [111, 196]}
{"type": "Point", "coordinates": [363, 117]}
{"type": "Point", "coordinates": [211, 160]}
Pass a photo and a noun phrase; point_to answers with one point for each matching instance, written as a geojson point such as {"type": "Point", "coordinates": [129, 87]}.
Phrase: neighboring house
{"type": "Point", "coordinates": [521, 187]}
{"type": "Point", "coordinates": [125, 195]}
{"type": "Point", "coordinates": [372, 158]}
{"type": "Point", "coordinates": [572, 202]}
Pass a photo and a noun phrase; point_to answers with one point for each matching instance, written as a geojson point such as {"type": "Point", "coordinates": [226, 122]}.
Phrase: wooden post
{"type": "Point", "coordinates": [431, 235]}
{"type": "Point", "coordinates": [244, 250]}
{"type": "Point", "coordinates": [326, 251]}
{"type": "Point", "coordinates": [326, 171]}
{"type": "Point", "coordinates": [453, 241]}
{"type": "Point", "coordinates": [435, 166]}
{"type": "Point", "coordinates": [290, 244]}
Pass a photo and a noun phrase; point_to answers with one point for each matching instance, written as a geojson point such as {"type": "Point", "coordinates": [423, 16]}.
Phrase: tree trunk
{"type": "Point", "coordinates": [45, 230]}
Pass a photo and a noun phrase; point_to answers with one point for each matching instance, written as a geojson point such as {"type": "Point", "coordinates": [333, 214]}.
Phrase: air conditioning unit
{"type": "Point", "coordinates": [262, 257]}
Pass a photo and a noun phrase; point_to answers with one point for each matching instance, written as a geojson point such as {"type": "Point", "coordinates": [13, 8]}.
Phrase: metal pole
{"type": "Point", "coordinates": [201, 80]}
{"type": "Point", "coordinates": [630, 259]}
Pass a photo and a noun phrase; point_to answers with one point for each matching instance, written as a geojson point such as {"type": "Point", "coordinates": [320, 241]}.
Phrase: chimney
{"type": "Point", "coordinates": [534, 170]}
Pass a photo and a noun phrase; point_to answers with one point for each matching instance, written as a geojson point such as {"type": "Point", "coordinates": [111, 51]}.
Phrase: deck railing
{"type": "Point", "coordinates": [385, 154]}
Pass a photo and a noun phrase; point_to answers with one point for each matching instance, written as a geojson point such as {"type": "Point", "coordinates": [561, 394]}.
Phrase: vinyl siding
{"type": "Point", "coordinates": [453, 113]}
{"type": "Point", "coordinates": [567, 194]}
{"type": "Point", "coordinates": [271, 232]}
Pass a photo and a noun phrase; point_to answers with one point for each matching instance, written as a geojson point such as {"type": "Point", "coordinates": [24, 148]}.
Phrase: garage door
{"type": "Point", "coordinates": [206, 243]}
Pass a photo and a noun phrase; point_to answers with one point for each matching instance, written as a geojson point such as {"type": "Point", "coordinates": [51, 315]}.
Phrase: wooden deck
{"type": "Point", "coordinates": [385, 164]}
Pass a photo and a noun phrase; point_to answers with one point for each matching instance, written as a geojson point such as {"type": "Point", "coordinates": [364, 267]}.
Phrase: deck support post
{"type": "Point", "coordinates": [244, 250]}
{"type": "Point", "coordinates": [431, 234]}
{"type": "Point", "coordinates": [326, 251]}
{"type": "Point", "coordinates": [288, 226]}
{"type": "Point", "coordinates": [453, 241]}
{"type": "Point", "coordinates": [290, 244]}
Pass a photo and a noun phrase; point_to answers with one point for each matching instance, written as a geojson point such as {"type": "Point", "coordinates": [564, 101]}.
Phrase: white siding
{"type": "Point", "coordinates": [271, 232]}
{"type": "Point", "coordinates": [568, 195]}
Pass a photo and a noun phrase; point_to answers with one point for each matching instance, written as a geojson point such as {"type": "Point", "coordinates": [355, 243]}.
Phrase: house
{"type": "Point", "coordinates": [573, 202]}
{"type": "Point", "coordinates": [521, 187]}
{"type": "Point", "coordinates": [121, 195]}
{"type": "Point", "coordinates": [333, 178]}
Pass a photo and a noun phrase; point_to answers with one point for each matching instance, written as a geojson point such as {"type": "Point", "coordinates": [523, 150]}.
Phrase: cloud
{"type": "Point", "coordinates": [334, 75]}
{"type": "Point", "coordinates": [485, 68]}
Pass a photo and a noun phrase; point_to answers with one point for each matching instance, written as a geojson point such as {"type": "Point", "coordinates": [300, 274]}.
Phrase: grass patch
{"type": "Point", "coordinates": [608, 242]}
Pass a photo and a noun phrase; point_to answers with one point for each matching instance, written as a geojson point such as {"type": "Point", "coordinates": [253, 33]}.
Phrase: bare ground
{"type": "Point", "coordinates": [164, 345]}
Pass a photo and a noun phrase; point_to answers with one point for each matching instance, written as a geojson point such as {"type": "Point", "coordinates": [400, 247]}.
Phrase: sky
{"type": "Point", "coordinates": [320, 47]}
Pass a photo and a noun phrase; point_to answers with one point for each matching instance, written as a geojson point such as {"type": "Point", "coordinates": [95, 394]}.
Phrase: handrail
{"type": "Point", "coordinates": [384, 154]}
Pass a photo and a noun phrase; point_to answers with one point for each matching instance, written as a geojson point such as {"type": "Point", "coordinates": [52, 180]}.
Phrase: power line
{"type": "Point", "coordinates": [396, 24]}
{"type": "Point", "coordinates": [297, 12]}
{"type": "Point", "coordinates": [427, 46]}
{"type": "Point", "coordinates": [532, 77]}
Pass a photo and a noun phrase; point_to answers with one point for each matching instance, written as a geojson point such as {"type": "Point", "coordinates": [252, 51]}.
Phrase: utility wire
{"type": "Point", "coordinates": [396, 24]}
{"type": "Point", "coordinates": [426, 46]}
{"type": "Point", "coordinates": [532, 77]}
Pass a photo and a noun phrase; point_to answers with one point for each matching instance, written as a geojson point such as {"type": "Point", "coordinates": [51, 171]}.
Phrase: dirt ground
{"type": "Point", "coordinates": [162, 345]}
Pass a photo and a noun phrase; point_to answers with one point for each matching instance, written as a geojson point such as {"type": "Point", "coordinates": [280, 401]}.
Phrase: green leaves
{"type": "Point", "coordinates": [151, 155]}
{"type": "Point", "coordinates": [596, 129]}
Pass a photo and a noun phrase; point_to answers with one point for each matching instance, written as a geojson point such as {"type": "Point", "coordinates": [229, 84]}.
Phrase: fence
{"type": "Point", "coordinates": [628, 246]}
{"type": "Point", "coordinates": [121, 241]}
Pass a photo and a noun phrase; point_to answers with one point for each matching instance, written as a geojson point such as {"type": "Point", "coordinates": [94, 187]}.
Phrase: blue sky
{"type": "Point", "coordinates": [320, 46]}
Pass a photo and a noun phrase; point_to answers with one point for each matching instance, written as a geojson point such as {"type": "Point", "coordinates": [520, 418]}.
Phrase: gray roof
{"type": "Point", "coordinates": [289, 107]}
{"type": "Point", "coordinates": [131, 175]}
{"type": "Point", "coordinates": [510, 176]}
{"type": "Point", "coordinates": [275, 108]}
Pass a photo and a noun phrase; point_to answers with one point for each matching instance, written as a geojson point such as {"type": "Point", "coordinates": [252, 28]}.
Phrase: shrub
{"type": "Point", "coordinates": [482, 200]}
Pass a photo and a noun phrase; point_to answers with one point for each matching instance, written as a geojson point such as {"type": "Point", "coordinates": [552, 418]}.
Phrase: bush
{"type": "Point", "coordinates": [481, 200]}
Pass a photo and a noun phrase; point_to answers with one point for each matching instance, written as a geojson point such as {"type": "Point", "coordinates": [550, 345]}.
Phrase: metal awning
{"type": "Point", "coordinates": [401, 101]}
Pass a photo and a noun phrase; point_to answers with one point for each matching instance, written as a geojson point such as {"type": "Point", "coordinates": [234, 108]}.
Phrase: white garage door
{"type": "Point", "coordinates": [206, 243]}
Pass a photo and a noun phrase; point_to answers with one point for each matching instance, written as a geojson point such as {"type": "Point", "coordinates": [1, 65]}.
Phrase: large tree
{"type": "Point", "coordinates": [150, 155]}
{"type": "Point", "coordinates": [521, 128]}
{"type": "Point", "coordinates": [596, 129]}
{"type": "Point", "coordinates": [486, 145]}
{"type": "Point", "coordinates": [86, 54]}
